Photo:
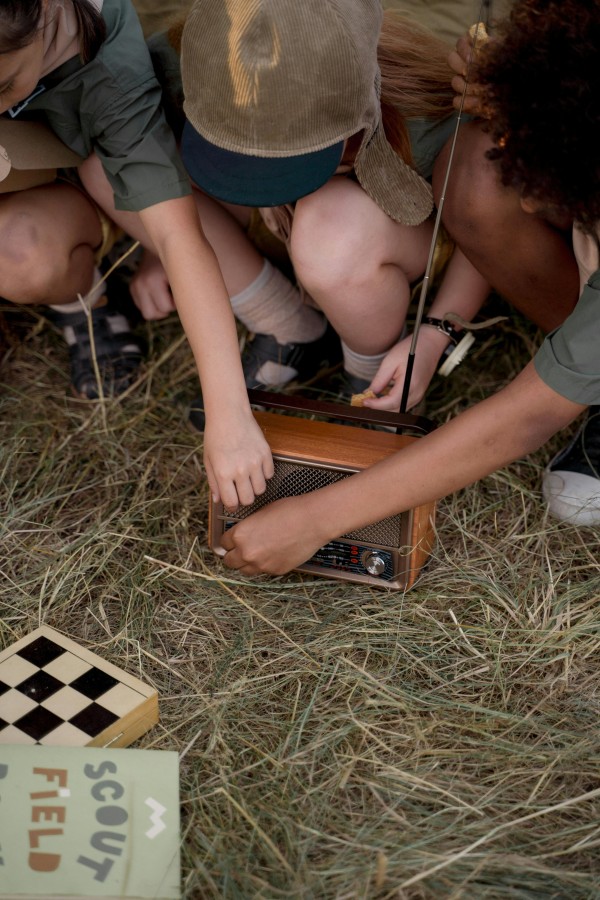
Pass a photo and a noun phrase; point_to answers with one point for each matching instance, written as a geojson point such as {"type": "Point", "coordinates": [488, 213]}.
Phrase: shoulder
{"type": "Point", "coordinates": [125, 45]}
{"type": "Point", "coordinates": [119, 15]}
{"type": "Point", "coordinates": [122, 68]}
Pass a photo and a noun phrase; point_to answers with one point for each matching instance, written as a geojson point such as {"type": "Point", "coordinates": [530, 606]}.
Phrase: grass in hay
{"type": "Point", "coordinates": [336, 741]}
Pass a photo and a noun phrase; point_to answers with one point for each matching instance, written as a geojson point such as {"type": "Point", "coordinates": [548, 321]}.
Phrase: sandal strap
{"type": "Point", "coordinates": [112, 334]}
{"type": "Point", "coordinates": [117, 351]}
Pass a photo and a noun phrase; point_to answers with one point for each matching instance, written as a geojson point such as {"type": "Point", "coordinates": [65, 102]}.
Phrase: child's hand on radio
{"type": "Point", "coordinates": [237, 460]}
{"type": "Point", "coordinates": [430, 346]}
{"type": "Point", "coordinates": [274, 540]}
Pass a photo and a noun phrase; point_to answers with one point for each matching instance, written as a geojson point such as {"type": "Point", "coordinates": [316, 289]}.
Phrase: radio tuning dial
{"type": "Point", "coordinates": [373, 563]}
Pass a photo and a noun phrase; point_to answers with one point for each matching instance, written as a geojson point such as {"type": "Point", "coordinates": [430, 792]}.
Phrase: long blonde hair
{"type": "Point", "coordinates": [415, 78]}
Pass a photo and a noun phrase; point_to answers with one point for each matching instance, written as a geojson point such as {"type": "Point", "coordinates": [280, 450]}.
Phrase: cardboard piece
{"type": "Point", "coordinates": [78, 822]}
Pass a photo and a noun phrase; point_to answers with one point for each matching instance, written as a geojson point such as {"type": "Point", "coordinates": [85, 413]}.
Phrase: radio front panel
{"type": "Point", "coordinates": [309, 455]}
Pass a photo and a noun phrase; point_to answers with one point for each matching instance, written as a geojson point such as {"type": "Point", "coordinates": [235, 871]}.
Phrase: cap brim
{"type": "Point", "coordinates": [395, 187]}
{"type": "Point", "coordinates": [255, 180]}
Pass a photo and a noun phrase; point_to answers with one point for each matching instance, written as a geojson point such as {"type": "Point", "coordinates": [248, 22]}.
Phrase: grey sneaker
{"type": "Point", "coordinates": [571, 483]}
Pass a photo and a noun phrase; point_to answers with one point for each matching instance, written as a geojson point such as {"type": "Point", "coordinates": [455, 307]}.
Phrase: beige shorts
{"type": "Point", "coordinates": [31, 155]}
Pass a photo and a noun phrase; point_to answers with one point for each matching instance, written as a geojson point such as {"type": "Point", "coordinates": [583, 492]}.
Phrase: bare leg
{"type": "Point", "coordinates": [47, 240]}
{"type": "Point", "coordinates": [239, 260]}
{"type": "Point", "coordinates": [262, 298]}
{"type": "Point", "coordinates": [357, 263]}
{"type": "Point", "coordinates": [524, 257]}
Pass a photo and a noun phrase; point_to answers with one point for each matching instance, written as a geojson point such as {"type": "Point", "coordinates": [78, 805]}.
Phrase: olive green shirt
{"type": "Point", "coordinates": [112, 106]}
{"type": "Point", "coordinates": [427, 137]}
{"type": "Point", "coordinates": [449, 19]}
{"type": "Point", "coordinates": [569, 359]}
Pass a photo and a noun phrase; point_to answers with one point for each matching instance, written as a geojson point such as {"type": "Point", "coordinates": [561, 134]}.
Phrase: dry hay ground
{"type": "Point", "coordinates": [336, 741]}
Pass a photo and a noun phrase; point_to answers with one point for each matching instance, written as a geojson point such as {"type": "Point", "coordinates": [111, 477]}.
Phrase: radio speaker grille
{"type": "Point", "coordinates": [294, 478]}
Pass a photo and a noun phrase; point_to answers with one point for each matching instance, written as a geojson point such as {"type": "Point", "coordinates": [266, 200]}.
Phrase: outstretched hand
{"type": "Point", "coordinates": [392, 371]}
{"type": "Point", "coordinates": [237, 460]}
{"type": "Point", "coordinates": [274, 540]}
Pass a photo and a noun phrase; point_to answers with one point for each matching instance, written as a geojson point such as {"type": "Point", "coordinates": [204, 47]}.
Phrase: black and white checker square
{"type": "Point", "coordinates": [49, 695]}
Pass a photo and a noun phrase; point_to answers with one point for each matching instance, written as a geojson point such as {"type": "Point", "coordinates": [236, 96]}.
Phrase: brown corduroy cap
{"type": "Point", "coordinates": [288, 81]}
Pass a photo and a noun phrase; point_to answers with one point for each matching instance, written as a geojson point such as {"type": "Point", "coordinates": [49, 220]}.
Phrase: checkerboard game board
{"type": "Point", "coordinates": [55, 692]}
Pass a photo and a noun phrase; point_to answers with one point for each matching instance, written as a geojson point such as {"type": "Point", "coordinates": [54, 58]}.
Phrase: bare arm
{"type": "Point", "coordinates": [236, 454]}
{"type": "Point", "coordinates": [237, 457]}
{"type": "Point", "coordinates": [500, 429]}
{"type": "Point", "coordinates": [463, 291]}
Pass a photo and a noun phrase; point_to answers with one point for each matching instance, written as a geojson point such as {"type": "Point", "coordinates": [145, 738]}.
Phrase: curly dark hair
{"type": "Point", "coordinates": [541, 80]}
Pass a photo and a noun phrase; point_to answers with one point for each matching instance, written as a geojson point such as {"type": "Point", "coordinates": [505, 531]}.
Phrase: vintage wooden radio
{"type": "Point", "coordinates": [310, 454]}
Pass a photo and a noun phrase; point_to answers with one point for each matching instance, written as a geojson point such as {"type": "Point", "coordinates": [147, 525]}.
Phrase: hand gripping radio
{"type": "Point", "coordinates": [309, 455]}
{"type": "Point", "coordinates": [312, 454]}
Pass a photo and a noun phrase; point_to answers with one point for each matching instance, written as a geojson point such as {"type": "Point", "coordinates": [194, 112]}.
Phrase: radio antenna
{"type": "Point", "coordinates": [485, 4]}
{"type": "Point", "coordinates": [487, 19]}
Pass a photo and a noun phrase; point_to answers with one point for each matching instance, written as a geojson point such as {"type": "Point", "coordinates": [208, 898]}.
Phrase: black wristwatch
{"type": "Point", "coordinates": [445, 328]}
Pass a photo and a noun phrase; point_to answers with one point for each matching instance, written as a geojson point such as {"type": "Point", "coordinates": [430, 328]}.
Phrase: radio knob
{"type": "Point", "coordinates": [374, 564]}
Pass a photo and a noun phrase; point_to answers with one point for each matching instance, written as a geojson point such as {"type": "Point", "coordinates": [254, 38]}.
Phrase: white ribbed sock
{"type": "Point", "coordinates": [90, 299]}
{"type": "Point", "coordinates": [272, 305]}
{"type": "Point", "coordinates": [362, 366]}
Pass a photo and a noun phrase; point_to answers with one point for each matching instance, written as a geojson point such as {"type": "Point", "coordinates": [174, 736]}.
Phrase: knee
{"type": "Point", "coordinates": [327, 244]}
{"type": "Point", "coordinates": [27, 264]}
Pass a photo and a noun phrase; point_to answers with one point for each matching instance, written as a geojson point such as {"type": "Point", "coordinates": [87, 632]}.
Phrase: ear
{"type": "Point", "coordinates": [528, 204]}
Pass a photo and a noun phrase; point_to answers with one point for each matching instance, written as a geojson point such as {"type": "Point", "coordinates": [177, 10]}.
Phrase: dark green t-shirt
{"type": "Point", "coordinates": [427, 137]}
{"type": "Point", "coordinates": [569, 359]}
{"type": "Point", "coordinates": [112, 106]}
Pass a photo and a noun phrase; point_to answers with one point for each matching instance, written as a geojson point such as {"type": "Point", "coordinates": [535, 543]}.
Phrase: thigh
{"type": "Point", "coordinates": [49, 217]}
{"type": "Point", "coordinates": [357, 263]}
{"type": "Point", "coordinates": [223, 225]}
{"type": "Point", "coordinates": [341, 223]}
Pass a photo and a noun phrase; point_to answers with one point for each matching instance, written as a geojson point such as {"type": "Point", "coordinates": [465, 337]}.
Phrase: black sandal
{"type": "Point", "coordinates": [118, 352]}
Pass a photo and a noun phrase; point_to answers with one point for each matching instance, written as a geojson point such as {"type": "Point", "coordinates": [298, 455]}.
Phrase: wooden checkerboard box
{"type": "Point", "coordinates": [55, 692]}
